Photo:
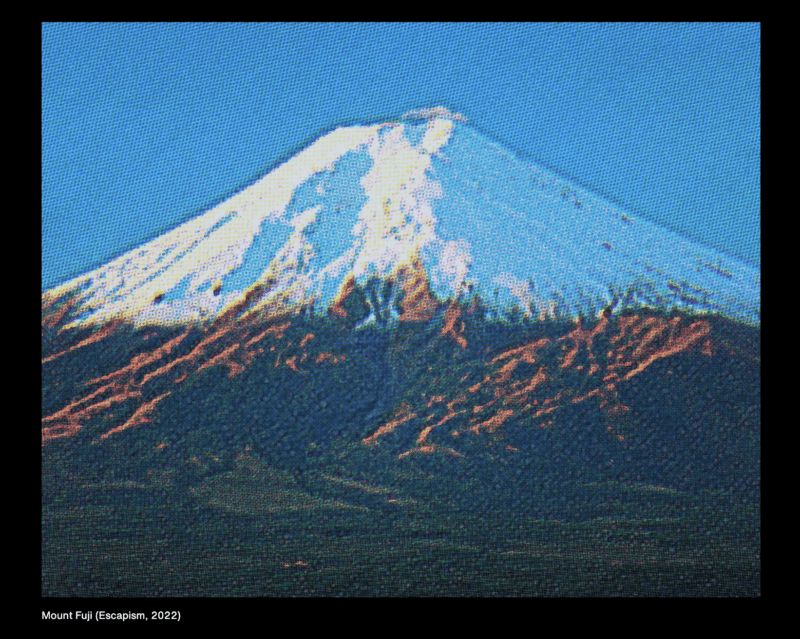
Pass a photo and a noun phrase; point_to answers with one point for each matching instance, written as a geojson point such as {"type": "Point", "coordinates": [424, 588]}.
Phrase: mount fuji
{"type": "Point", "coordinates": [406, 352]}
{"type": "Point", "coordinates": [427, 196]}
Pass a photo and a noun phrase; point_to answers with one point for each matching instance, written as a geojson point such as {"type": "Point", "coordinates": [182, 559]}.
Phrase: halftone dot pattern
{"type": "Point", "coordinates": [461, 453]}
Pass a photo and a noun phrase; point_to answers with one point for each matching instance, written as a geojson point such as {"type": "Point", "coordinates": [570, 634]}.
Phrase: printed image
{"type": "Point", "coordinates": [411, 330]}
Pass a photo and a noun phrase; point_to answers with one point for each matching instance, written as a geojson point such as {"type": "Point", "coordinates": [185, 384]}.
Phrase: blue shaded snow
{"type": "Point", "coordinates": [575, 251]}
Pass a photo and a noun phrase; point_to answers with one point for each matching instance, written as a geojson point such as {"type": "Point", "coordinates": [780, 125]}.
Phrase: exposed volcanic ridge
{"type": "Point", "coordinates": [413, 282]}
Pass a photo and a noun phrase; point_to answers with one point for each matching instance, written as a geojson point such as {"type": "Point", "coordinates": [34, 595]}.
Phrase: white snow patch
{"type": "Point", "coordinates": [397, 221]}
{"type": "Point", "coordinates": [455, 260]}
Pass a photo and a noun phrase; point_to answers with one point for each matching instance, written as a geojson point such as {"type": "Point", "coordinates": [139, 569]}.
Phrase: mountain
{"type": "Point", "coordinates": [406, 329]}
{"type": "Point", "coordinates": [427, 198]}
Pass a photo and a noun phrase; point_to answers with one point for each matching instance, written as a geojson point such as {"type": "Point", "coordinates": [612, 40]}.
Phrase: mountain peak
{"type": "Point", "coordinates": [435, 112]}
{"type": "Point", "coordinates": [429, 194]}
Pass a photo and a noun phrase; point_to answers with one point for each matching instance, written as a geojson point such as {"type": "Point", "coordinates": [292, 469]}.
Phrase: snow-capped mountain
{"type": "Point", "coordinates": [426, 199]}
{"type": "Point", "coordinates": [194, 416]}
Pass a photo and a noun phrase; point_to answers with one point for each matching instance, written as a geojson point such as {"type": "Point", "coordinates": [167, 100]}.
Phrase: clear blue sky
{"type": "Point", "coordinates": [146, 126]}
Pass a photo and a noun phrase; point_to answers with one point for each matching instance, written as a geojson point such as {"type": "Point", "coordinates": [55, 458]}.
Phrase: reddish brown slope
{"type": "Point", "coordinates": [230, 342]}
{"type": "Point", "coordinates": [524, 382]}
{"type": "Point", "coordinates": [633, 344]}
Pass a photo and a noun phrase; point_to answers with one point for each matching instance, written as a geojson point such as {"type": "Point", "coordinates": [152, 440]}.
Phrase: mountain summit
{"type": "Point", "coordinates": [432, 210]}
{"type": "Point", "coordinates": [404, 357]}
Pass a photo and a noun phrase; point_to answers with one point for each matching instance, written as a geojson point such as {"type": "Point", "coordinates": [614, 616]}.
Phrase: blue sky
{"type": "Point", "coordinates": [146, 126]}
